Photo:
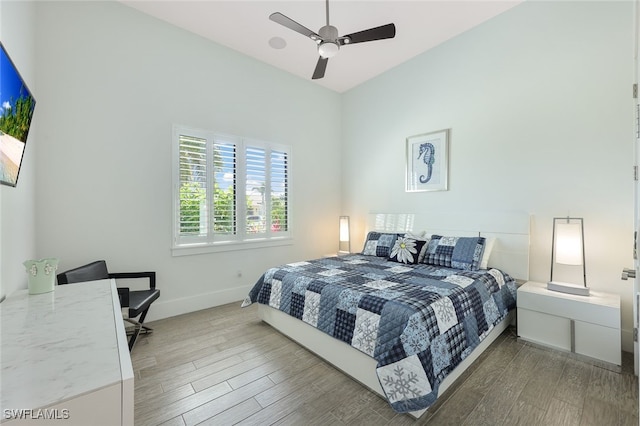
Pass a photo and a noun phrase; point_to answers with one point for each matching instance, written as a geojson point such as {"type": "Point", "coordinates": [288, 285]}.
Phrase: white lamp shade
{"type": "Point", "coordinates": [344, 228]}
{"type": "Point", "coordinates": [568, 244]}
{"type": "Point", "coordinates": [344, 245]}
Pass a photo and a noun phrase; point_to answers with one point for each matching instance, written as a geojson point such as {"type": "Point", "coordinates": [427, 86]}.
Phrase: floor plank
{"type": "Point", "coordinates": [243, 397]}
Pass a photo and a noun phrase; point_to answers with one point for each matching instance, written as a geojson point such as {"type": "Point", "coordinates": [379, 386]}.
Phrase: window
{"type": "Point", "coordinates": [229, 190]}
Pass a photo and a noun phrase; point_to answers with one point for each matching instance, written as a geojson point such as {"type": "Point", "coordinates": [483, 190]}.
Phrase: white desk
{"type": "Point", "coordinates": [64, 355]}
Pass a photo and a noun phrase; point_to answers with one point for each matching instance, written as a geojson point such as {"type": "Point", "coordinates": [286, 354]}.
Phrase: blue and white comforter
{"type": "Point", "coordinates": [418, 321]}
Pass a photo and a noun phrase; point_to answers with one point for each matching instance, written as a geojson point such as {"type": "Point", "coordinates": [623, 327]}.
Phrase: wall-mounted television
{"type": "Point", "coordinates": [16, 111]}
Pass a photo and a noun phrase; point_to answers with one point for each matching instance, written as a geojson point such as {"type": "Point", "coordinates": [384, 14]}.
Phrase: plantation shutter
{"type": "Point", "coordinates": [256, 191]}
{"type": "Point", "coordinates": [279, 192]}
{"type": "Point", "coordinates": [224, 189]}
{"type": "Point", "coordinates": [193, 186]}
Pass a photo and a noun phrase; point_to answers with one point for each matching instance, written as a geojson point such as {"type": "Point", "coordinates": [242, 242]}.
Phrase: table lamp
{"type": "Point", "coordinates": [344, 246]}
{"type": "Point", "coordinates": [568, 249]}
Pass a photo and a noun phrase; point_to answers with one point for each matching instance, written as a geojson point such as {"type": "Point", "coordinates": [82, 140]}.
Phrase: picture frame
{"type": "Point", "coordinates": [428, 162]}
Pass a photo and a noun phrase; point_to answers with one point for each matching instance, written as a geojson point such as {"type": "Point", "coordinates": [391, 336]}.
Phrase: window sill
{"type": "Point", "coordinates": [192, 249]}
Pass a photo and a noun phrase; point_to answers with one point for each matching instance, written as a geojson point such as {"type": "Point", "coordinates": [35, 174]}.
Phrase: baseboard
{"type": "Point", "coordinates": [170, 308]}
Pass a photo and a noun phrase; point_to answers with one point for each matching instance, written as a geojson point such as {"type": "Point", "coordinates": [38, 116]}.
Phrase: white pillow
{"type": "Point", "coordinates": [488, 246]}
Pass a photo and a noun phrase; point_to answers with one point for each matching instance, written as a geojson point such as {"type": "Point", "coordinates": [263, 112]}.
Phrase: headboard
{"type": "Point", "coordinates": [510, 229]}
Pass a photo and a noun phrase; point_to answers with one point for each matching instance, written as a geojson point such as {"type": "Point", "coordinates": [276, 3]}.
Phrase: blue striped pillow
{"type": "Point", "coordinates": [455, 252]}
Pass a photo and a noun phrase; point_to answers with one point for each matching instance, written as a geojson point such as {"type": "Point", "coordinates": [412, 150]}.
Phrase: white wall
{"type": "Point", "coordinates": [539, 105]}
{"type": "Point", "coordinates": [112, 82]}
{"type": "Point", "coordinates": [18, 205]}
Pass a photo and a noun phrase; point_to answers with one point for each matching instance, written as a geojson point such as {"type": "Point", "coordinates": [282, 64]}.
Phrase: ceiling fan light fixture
{"type": "Point", "coordinates": [328, 49]}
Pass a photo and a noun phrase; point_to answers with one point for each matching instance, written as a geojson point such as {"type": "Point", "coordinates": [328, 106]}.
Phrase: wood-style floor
{"type": "Point", "coordinates": [223, 366]}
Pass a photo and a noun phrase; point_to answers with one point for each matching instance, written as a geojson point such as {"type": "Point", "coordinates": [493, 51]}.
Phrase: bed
{"type": "Point", "coordinates": [410, 312]}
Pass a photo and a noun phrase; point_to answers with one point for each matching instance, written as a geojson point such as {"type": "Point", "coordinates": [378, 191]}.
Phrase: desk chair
{"type": "Point", "coordinates": [137, 301]}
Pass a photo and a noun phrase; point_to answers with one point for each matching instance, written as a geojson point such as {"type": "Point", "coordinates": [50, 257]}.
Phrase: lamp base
{"type": "Point", "coordinates": [568, 288]}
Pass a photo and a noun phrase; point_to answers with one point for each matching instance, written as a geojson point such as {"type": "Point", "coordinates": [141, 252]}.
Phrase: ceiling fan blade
{"type": "Point", "coordinates": [321, 66]}
{"type": "Point", "coordinates": [293, 25]}
{"type": "Point", "coordinates": [377, 33]}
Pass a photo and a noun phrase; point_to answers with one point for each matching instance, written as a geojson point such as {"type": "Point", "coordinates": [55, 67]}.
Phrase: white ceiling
{"type": "Point", "coordinates": [244, 26]}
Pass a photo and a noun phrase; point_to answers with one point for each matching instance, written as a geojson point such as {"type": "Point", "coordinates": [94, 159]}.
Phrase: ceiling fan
{"type": "Point", "coordinates": [328, 40]}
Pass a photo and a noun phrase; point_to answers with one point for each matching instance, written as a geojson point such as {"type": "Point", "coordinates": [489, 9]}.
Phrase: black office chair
{"type": "Point", "coordinates": [138, 301]}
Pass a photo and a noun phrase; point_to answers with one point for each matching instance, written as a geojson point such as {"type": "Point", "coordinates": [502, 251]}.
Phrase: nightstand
{"type": "Point", "coordinates": [586, 325]}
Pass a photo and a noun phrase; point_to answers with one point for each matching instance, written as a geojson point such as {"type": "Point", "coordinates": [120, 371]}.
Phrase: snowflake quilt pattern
{"type": "Point", "coordinates": [418, 321]}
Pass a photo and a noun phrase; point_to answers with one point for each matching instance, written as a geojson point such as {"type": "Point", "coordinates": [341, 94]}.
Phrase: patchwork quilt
{"type": "Point", "coordinates": [418, 321]}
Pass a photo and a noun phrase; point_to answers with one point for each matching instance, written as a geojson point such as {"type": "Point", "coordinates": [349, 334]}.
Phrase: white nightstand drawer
{"type": "Point", "coordinates": [598, 342]}
{"type": "Point", "coordinates": [599, 308]}
{"type": "Point", "coordinates": [548, 330]}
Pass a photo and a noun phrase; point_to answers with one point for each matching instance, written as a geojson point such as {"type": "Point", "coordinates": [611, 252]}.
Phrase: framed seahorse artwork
{"type": "Point", "coordinates": [428, 162]}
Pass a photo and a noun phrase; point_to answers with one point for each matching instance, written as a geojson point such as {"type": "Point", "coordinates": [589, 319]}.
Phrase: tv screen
{"type": "Point", "coordinates": [16, 110]}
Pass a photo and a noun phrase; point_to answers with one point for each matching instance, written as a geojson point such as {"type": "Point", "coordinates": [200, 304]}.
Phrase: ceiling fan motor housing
{"type": "Point", "coordinates": [328, 32]}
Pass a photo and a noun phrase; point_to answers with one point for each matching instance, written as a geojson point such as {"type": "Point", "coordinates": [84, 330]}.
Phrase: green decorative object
{"type": "Point", "coordinates": [41, 275]}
